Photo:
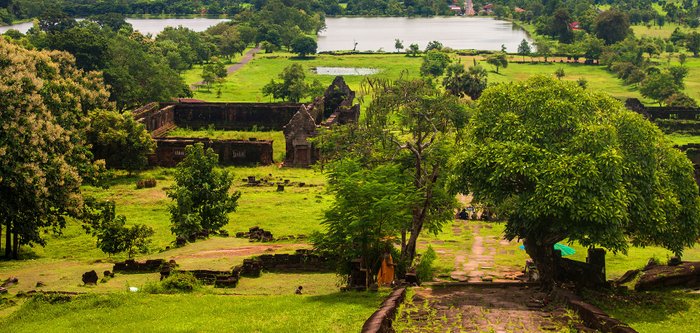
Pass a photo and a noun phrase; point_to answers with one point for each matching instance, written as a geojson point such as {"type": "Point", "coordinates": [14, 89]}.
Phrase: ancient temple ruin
{"type": "Point", "coordinates": [298, 121]}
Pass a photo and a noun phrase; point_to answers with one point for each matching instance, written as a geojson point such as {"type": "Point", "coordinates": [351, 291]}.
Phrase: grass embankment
{"type": "Point", "coordinates": [278, 146]}
{"type": "Point", "coordinates": [652, 312]}
{"type": "Point", "coordinates": [119, 312]}
{"type": "Point", "coordinates": [683, 139]}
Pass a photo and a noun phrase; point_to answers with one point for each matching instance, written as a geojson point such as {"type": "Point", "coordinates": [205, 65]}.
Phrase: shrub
{"type": "Point", "coordinates": [424, 268]}
{"type": "Point", "coordinates": [175, 283]}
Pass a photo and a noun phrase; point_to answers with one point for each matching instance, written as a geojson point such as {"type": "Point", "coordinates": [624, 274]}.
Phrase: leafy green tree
{"type": "Point", "coordinates": [560, 26]}
{"type": "Point", "coordinates": [659, 86]}
{"type": "Point", "coordinates": [367, 214]}
{"type": "Point", "coordinates": [692, 42]}
{"type": "Point", "coordinates": [593, 48]}
{"type": "Point", "coordinates": [409, 124]}
{"type": "Point", "coordinates": [680, 99]}
{"type": "Point", "coordinates": [563, 163]}
{"type": "Point", "coordinates": [398, 45]}
{"type": "Point", "coordinates": [414, 50]}
{"type": "Point", "coordinates": [199, 49]}
{"type": "Point", "coordinates": [434, 63]}
{"type": "Point", "coordinates": [44, 156]}
{"type": "Point", "coordinates": [497, 60]}
{"type": "Point", "coordinates": [213, 71]}
{"type": "Point", "coordinates": [137, 76]}
{"type": "Point", "coordinates": [433, 45]}
{"type": "Point", "coordinates": [524, 48]}
{"type": "Point", "coordinates": [112, 235]}
{"type": "Point", "coordinates": [544, 48]}
{"type": "Point", "coordinates": [201, 194]}
{"type": "Point", "coordinates": [119, 140]}
{"type": "Point", "coordinates": [304, 45]}
{"type": "Point", "coordinates": [293, 86]}
{"type": "Point", "coordinates": [612, 26]}
{"type": "Point", "coordinates": [460, 82]}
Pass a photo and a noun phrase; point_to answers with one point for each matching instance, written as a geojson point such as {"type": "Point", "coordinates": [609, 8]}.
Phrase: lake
{"type": "Point", "coordinates": [375, 33]}
{"type": "Point", "coordinates": [145, 26]}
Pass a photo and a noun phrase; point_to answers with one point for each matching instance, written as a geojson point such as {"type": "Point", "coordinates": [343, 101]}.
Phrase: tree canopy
{"type": "Point", "coordinates": [202, 201]}
{"type": "Point", "coordinates": [560, 162]}
{"type": "Point", "coordinates": [44, 156]}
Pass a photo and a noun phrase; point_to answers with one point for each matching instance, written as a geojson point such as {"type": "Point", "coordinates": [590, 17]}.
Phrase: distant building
{"type": "Point", "coordinates": [469, 8]}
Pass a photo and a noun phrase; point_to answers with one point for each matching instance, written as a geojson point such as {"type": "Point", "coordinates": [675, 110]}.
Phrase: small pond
{"type": "Point", "coordinates": [350, 71]}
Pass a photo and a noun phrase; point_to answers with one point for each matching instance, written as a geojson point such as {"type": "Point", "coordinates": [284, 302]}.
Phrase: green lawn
{"type": "Point", "coordinates": [119, 312]}
{"type": "Point", "coordinates": [683, 139]}
{"type": "Point", "coordinates": [246, 84]}
{"type": "Point", "coordinates": [663, 31]}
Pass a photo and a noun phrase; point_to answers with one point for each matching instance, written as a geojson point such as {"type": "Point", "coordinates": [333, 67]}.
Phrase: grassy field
{"type": "Point", "coordinates": [119, 312]}
{"type": "Point", "coordinates": [246, 84]}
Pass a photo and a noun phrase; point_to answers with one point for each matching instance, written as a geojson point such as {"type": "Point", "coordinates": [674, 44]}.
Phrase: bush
{"type": "Point", "coordinates": [175, 283]}
{"type": "Point", "coordinates": [424, 268]}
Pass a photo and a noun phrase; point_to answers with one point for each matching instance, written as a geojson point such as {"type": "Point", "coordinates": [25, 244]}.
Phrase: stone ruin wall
{"type": "Point", "coordinates": [298, 121]}
{"type": "Point", "coordinates": [235, 116]}
{"type": "Point", "coordinates": [171, 151]}
{"type": "Point", "coordinates": [659, 112]}
{"type": "Point", "coordinates": [159, 118]}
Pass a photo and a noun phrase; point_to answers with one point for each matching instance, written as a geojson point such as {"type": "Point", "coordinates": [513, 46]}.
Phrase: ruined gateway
{"type": "Point", "coordinates": [299, 122]}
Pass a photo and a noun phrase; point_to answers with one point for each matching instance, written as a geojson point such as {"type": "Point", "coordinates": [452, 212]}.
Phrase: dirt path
{"type": "Point", "coordinates": [235, 67]}
{"type": "Point", "coordinates": [479, 309]}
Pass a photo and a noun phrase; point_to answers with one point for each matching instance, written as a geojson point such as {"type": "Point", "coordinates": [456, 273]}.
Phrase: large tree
{"type": "Point", "coordinates": [44, 156]}
{"type": "Point", "coordinates": [293, 86]}
{"type": "Point", "coordinates": [612, 26]}
{"type": "Point", "coordinates": [304, 45]}
{"type": "Point", "coordinates": [137, 76]}
{"type": "Point", "coordinates": [201, 194]}
{"type": "Point", "coordinates": [460, 82]}
{"type": "Point", "coordinates": [119, 139]}
{"type": "Point", "coordinates": [563, 163]}
{"type": "Point", "coordinates": [409, 123]}
{"type": "Point", "coordinates": [434, 63]}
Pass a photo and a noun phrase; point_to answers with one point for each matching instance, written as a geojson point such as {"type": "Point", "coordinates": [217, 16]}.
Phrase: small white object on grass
{"type": "Point", "coordinates": [133, 289]}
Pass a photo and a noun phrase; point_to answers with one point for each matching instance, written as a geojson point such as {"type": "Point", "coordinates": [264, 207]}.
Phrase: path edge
{"type": "Point", "coordinates": [381, 321]}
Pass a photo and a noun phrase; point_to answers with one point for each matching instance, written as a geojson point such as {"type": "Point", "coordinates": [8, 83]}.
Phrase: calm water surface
{"type": "Point", "coordinates": [374, 33]}
{"type": "Point", "coordinates": [145, 26]}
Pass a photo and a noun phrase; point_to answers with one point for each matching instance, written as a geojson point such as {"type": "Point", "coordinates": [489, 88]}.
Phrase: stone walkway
{"type": "Point", "coordinates": [477, 264]}
{"type": "Point", "coordinates": [481, 309]}
{"type": "Point", "coordinates": [235, 67]}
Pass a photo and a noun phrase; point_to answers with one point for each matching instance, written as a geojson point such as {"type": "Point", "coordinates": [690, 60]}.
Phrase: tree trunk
{"type": "Point", "coordinates": [0, 237]}
{"type": "Point", "coordinates": [542, 253]}
{"type": "Point", "coordinates": [15, 246]}
{"type": "Point", "coordinates": [8, 239]}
